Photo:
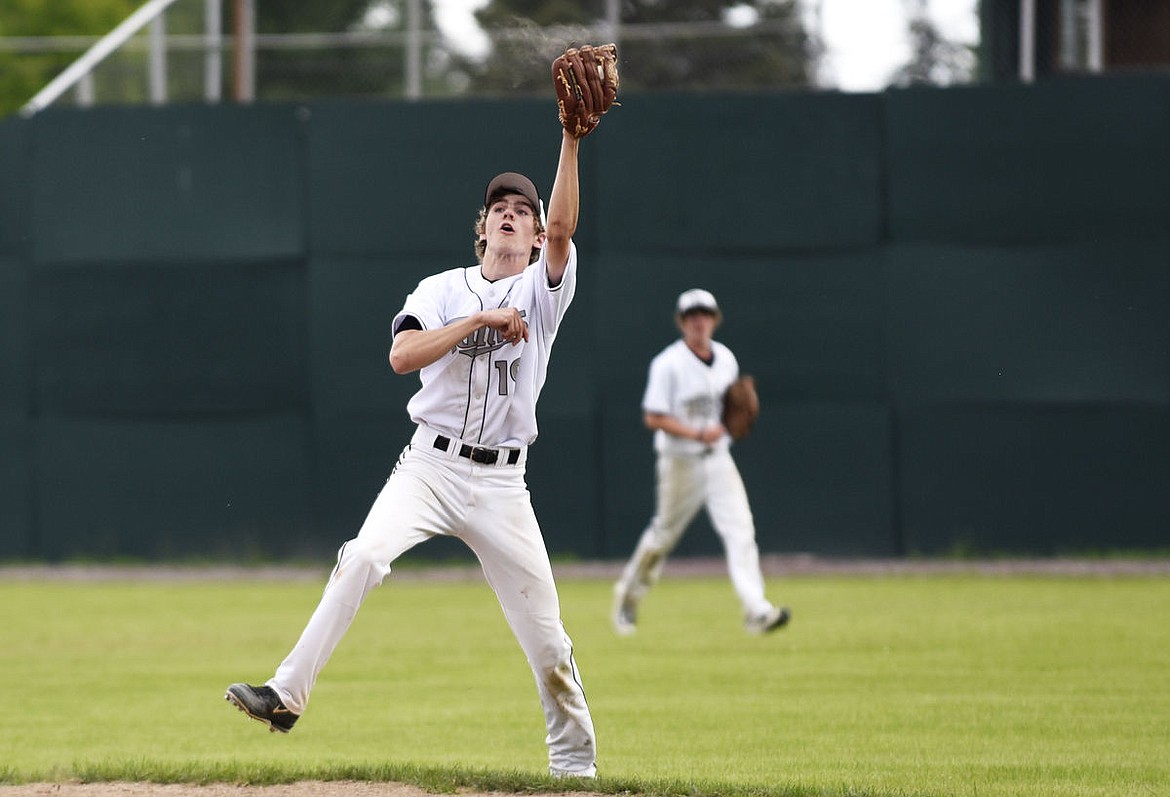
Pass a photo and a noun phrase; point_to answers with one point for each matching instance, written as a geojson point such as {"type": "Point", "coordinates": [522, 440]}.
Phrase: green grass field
{"type": "Point", "coordinates": [959, 684]}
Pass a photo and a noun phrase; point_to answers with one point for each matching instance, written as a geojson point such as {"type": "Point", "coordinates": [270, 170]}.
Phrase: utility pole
{"type": "Point", "coordinates": [244, 57]}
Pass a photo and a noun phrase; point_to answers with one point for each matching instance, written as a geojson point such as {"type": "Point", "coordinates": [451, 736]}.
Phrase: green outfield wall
{"type": "Point", "coordinates": [956, 304]}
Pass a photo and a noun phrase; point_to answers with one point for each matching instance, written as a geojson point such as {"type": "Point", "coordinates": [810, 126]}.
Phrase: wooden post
{"type": "Point", "coordinates": [244, 72]}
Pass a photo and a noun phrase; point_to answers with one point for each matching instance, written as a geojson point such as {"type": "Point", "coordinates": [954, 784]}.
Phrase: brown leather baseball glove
{"type": "Point", "coordinates": [741, 407]}
{"type": "Point", "coordinates": [586, 80]}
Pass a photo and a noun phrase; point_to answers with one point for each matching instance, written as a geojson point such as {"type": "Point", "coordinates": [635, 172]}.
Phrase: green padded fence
{"type": "Point", "coordinates": [956, 303]}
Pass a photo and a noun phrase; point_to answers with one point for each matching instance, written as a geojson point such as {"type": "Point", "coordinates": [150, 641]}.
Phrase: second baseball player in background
{"type": "Point", "coordinates": [683, 404]}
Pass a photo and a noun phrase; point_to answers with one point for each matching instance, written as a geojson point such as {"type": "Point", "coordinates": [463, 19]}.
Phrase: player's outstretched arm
{"type": "Point", "coordinates": [417, 348]}
{"type": "Point", "coordinates": [563, 207]}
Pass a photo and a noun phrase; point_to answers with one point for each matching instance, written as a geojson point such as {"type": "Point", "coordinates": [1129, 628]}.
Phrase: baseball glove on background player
{"type": "Point", "coordinates": [741, 407]}
{"type": "Point", "coordinates": [586, 81]}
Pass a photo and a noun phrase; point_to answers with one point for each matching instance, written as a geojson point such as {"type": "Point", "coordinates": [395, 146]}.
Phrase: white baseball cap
{"type": "Point", "coordinates": [697, 299]}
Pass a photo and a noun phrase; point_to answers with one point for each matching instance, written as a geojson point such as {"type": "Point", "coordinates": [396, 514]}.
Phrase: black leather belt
{"type": "Point", "coordinates": [481, 454]}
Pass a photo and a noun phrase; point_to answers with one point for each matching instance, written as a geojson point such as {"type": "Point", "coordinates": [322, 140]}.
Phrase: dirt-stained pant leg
{"type": "Point", "coordinates": [404, 514]}
{"type": "Point", "coordinates": [680, 492]}
{"type": "Point", "coordinates": [503, 532]}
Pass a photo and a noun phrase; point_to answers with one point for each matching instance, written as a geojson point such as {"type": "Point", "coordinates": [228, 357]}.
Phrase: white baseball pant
{"type": "Point", "coordinates": [432, 492]}
{"type": "Point", "coordinates": [685, 485]}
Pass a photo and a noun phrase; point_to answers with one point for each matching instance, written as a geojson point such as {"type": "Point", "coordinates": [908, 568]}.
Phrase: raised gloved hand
{"type": "Point", "coordinates": [586, 81]}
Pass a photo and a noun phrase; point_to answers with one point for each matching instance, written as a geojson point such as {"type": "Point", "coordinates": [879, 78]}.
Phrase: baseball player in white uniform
{"type": "Point", "coordinates": [480, 338]}
{"type": "Point", "coordinates": [683, 404]}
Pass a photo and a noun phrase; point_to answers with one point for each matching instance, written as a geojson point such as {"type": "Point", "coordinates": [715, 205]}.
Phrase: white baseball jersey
{"type": "Point", "coordinates": [485, 390]}
{"type": "Point", "coordinates": [682, 385]}
{"type": "Point", "coordinates": [481, 393]}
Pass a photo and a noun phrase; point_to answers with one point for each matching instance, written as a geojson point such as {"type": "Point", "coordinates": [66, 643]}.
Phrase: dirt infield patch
{"type": "Point", "coordinates": [339, 788]}
{"type": "Point", "coordinates": [125, 789]}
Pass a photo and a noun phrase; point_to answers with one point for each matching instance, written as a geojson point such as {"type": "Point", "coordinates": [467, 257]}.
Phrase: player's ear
{"type": "Point", "coordinates": [539, 242]}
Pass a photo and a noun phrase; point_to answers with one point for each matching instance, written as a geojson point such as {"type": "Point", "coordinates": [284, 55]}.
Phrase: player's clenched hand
{"type": "Point", "coordinates": [711, 434]}
{"type": "Point", "coordinates": [508, 322]}
{"type": "Point", "coordinates": [417, 348]}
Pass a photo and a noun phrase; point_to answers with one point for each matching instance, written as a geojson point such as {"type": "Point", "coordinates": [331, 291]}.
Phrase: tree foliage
{"type": "Point", "coordinates": [61, 17]}
{"type": "Point", "coordinates": [22, 75]}
{"type": "Point", "coordinates": [677, 45]}
{"type": "Point", "coordinates": [934, 60]}
{"type": "Point", "coordinates": [368, 70]}
{"type": "Point", "coordinates": [298, 16]}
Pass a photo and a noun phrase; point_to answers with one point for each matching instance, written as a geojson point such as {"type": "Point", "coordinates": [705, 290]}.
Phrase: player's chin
{"type": "Point", "coordinates": [512, 245]}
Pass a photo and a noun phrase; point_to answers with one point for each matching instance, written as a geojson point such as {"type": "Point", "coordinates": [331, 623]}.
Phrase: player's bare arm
{"type": "Point", "coordinates": [417, 348]}
{"type": "Point", "coordinates": [563, 206]}
{"type": "Point", "coordinates": [673, 426]}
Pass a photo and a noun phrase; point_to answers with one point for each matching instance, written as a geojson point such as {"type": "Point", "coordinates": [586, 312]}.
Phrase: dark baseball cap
{"type": "Point", "coordinates": [512, 183]}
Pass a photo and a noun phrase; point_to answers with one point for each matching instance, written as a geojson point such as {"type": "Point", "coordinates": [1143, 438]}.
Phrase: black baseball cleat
{"type": "Point", "coordinates": [768, 621]}
{"type": "Point", "coordinates": [261, 703]}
